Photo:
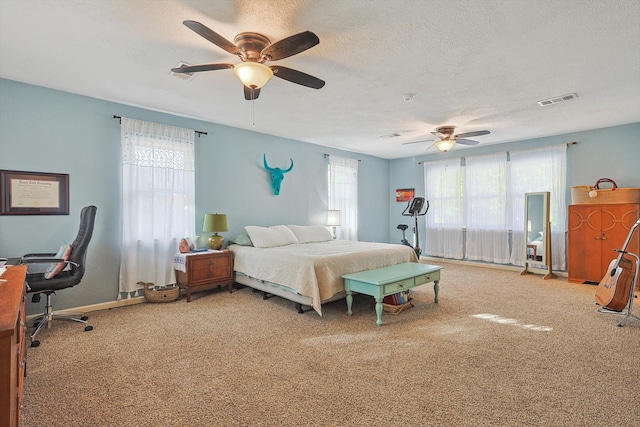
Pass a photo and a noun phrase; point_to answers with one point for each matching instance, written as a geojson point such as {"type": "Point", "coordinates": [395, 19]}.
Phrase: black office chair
{"type": "Point", "coordinates": [70, 276]}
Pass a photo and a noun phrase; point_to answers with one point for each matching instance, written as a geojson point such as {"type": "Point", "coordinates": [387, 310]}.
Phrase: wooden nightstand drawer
{"type": "Point", "coordinates": [211, 272]}
{"type": "Point", "coordinates": [208, 262]}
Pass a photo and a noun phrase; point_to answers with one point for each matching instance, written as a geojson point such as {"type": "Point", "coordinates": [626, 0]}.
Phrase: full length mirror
{"type": "Point", "coordinates": [536, 218]}
{"type": "Point", "coordinates": [537, 234]}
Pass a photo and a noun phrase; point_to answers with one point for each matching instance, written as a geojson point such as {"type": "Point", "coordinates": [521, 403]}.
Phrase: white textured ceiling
{"type": "Point", "coordinates": [474, 64]}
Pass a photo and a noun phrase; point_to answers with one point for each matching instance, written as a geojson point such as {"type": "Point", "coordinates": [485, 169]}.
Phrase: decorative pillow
{"type": "Point", "coordinates": [242, 240]}
{"type": "Point", "coordinates": [56, 267]}
{"type": "Point", "coordinates": [311, 233]}
{"type": "Point", "coordinates": [269, 237]}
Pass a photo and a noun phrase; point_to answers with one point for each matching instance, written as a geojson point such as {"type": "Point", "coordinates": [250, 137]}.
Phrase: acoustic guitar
{"type": "Point", "coordinates": [614, 289]}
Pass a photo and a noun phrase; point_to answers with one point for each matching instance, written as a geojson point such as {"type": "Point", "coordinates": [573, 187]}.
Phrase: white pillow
{"type": "Point", "coordinates": [311, 233]}
{"type": "Point", "coordinates": [269, 237]}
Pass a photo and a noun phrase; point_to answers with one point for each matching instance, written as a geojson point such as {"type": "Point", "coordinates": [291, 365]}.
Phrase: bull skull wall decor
{"type": "Point", "coordinates": [277, 175]}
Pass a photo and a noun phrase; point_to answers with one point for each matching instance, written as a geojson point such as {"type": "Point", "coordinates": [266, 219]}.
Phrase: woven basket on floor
{"type": "Point", "coordinates": [396, 309]}
{"type": "Point", "coordinates": [165, 294]}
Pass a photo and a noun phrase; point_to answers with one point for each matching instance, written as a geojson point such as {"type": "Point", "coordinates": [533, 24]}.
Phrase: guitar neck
{"type": "Point", "coordinates": [626, 243]}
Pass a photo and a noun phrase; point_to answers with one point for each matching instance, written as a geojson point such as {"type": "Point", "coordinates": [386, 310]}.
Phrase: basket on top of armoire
{"type": "Point", "coordinates": [585, 194]}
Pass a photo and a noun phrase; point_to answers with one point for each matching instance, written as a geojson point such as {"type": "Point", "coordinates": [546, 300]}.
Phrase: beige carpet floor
{"type": "Point", "coordinates": [499, 349]}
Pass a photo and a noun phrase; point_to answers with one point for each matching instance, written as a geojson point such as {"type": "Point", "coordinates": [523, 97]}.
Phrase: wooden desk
{"type": "Point", "coordinates": [384, 281]}
{"type": "Point", "coordinates": [13, 349]}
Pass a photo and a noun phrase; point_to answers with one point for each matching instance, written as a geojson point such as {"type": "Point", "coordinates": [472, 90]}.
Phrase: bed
{"type": "Point", "coordinates": [305, 264]}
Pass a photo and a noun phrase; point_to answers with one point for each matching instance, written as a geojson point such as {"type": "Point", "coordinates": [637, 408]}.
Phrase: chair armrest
{"type": "Point", "coordinates": [47, 261]}
{"type": "Point", "coordinates": [47, 255]}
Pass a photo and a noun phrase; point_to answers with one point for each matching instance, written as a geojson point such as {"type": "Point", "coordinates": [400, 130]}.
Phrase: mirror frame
{"type": "Point", "coordinates": [535, 265]}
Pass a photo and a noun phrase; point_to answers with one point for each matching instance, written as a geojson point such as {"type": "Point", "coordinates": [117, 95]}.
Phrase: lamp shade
{"type": "Point", "coordinates": [215, 223]}
{"type": "Point", "coordinates": [253, 74]}
{"type": "Point", "coordinates": [333, 218]}
{"type": "Point", "coordinates": [445, 144]}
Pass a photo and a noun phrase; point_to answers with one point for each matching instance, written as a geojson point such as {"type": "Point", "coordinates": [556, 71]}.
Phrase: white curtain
{"type": "Point", "coordinates": [343, 195]}
{"type": "Point", "coordinates": [542, 169]}
{"type": "Point", "coordinates": [486, 208]}
{"type": "Point", "coordinates": [158, 200]}
{"type": "Point", "coordinates": [445, 218]}
{"type": "Point", "coordinates": [487, 197]}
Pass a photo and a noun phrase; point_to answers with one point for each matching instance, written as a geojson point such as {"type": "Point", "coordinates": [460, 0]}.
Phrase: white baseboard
{"type": "Point", "coordinates": [100, 306]}
{"type": "Point", "coordinates": [482, 264]}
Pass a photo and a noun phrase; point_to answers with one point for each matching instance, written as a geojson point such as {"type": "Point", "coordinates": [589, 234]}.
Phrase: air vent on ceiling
{"type": "Point", "coordinates": [182, 76]}
{"type": "Point", "coordinates": [557, 99]}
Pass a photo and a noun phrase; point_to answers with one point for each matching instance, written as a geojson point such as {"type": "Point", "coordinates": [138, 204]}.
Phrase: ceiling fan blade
{"type": "Point", "coordinates": [298, 77]}
{"type": "Point", "coordinates": [476, 133]}
{"type": "Point", "coordinates": [251, 94]}
{"type": "Point", "coordinates": [204, 67]}
{"type": "Point", "coordinates": [415, 142]}
{"type": "Point", "coordinates": [466, 142]}
{"type": "Point", "coordinates": [213, 37]}
{"type": "Point", "coordinates": [290, 46]}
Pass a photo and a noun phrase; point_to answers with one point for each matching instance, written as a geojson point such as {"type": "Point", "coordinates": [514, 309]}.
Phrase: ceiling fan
{"type": "Point", "coordinates": [446, 139]}
{"type": "Point", "coordinates": [254, 50]}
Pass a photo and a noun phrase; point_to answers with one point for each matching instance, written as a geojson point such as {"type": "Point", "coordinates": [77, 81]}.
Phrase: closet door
{"type": "Point", "coordinates": [585, 243]}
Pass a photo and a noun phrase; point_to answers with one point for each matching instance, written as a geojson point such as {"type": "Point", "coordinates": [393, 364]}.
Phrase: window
{"type": "Point", "coordinates": [486, 208]}
{"type": "Point", "coordinates": [158, 200]}
{"type": "Point", "coordinates": [485, 199]}
{"type": "Point", "coordinates": [445, 218]}
{"type": "Point", "coordinates": [343, 195]}
{"type": "Point", "coordinates": [543, 169]}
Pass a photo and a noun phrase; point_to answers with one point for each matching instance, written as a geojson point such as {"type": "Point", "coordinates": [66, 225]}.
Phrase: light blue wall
{"type": "Point", "coordinates": [610, 152]}
{"type": "Point", "coordinates": [46, 130]}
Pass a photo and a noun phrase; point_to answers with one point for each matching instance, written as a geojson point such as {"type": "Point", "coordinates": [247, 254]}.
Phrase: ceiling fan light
{"type": "Point", "coordinates": [445, 145]}
{"type": "Point", "coordinates": [253, 74]}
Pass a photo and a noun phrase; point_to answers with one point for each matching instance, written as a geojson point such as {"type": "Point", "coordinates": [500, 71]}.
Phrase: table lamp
{"type": "Point", "coordinates": [215, 223]}
{"type": "Point", "coordinates": [333, 220]}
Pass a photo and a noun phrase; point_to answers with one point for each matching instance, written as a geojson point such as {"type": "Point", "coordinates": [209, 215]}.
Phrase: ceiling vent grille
{"type": "Point", "coordinates": [182, 76]}
{"type": "Point", "coordinates": [557, 99]}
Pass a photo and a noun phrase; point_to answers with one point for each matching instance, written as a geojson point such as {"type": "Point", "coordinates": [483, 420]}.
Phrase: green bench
{"type": "Point", "coordinates": [384, 281]}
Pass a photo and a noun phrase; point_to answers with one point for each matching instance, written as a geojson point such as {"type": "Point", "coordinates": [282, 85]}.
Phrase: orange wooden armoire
{"type": "Point", "coordinates": [594, 232]}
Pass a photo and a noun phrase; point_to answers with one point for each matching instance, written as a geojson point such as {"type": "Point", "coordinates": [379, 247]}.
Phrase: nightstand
{"type": "Point", "coordinates": [206, 270]}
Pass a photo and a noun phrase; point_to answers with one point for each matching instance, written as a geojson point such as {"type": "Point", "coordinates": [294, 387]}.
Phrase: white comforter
{"type": "Point", "coordinates": [315, 269]}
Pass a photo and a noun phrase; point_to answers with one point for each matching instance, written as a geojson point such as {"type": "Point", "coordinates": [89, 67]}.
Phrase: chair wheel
{"type": "Point", "coordinates": [84, 318]}
{"type": "Point", "coordinates": [88, 328]}
{"type": "Point", "coordinates": [35, 343]}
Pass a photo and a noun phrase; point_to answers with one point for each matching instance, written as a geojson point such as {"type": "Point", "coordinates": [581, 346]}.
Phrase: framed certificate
{"type": "Point", "coordinates": [33, 193]}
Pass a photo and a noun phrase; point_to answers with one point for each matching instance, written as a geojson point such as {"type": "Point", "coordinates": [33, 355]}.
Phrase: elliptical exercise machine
{"type": "Point", "coordinates": [414, 209]}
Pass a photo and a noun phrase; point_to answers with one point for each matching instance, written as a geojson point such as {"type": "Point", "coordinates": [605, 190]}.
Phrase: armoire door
{"type": "Point", "coordinates": [584, 243]}
{"type": "Point", "coordinates": [617, 222]}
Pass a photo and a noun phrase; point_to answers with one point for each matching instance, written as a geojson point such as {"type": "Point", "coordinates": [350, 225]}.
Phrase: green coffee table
{"type": "Point", "coordinates": [384, 281]}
